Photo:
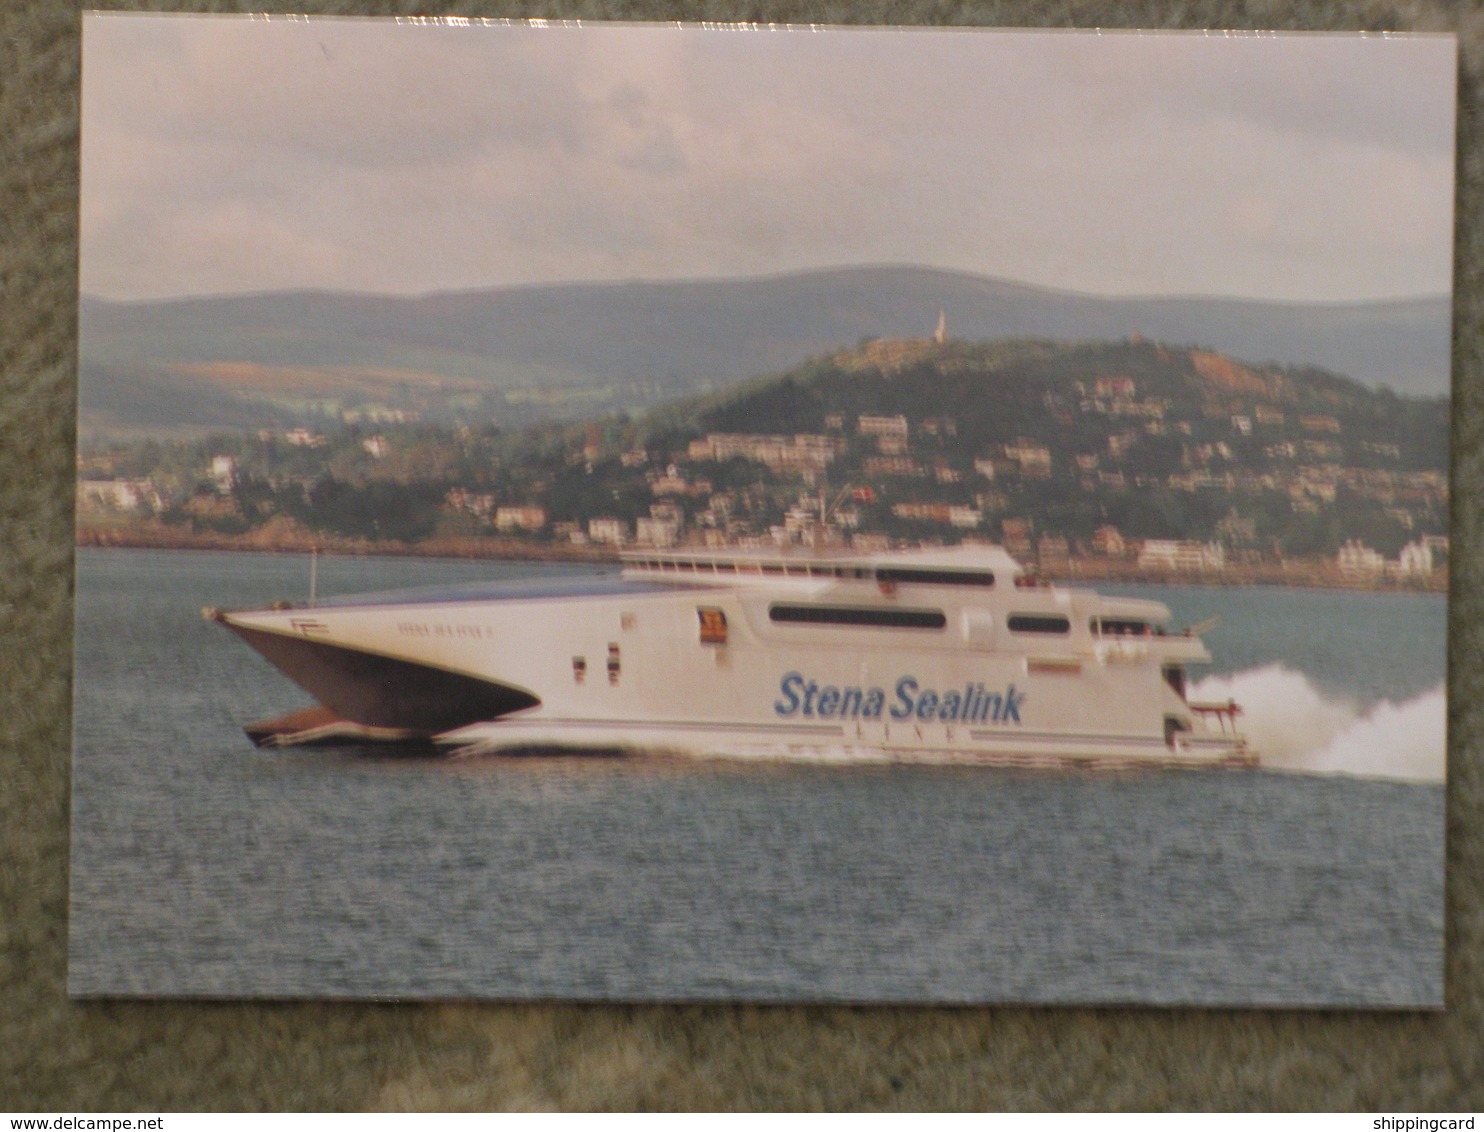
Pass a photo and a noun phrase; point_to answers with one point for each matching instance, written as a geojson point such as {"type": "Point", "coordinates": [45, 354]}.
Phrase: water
{"type": "Point", "coordinates": [204, 867]}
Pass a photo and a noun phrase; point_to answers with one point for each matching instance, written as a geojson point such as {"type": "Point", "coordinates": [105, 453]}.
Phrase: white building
{"type": "Point", "coordinates": [1356, 558]}
{"type": "Point", "coordinates": [1034, 459]}
{"type": "Point", "coordinates": [657, 532]}
{"type": "Point", "coordinates": [520, 518]}
{"type": "Point", "coordinates": [803, 452]}
{"type": "Point", "coordinates": [224, 472]}
{"type": "Point", "coordinates": [1415, 560]}
{"type": "Point", "coordinates": [614, 532]}
{"type": "Point", "coordinates": [110, 495]}
{"type": "Point", "coordinates": [882, 426]}
{"type": "Point", "coordinates": [1181, 554]}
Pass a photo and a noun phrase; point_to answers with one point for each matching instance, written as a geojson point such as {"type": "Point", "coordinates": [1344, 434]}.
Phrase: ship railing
{"type": "Point", "coordinates": [1225, 714]}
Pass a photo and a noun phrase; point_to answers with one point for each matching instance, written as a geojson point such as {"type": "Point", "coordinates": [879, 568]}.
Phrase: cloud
{"type": "Point", "coordinates": [404, 157]}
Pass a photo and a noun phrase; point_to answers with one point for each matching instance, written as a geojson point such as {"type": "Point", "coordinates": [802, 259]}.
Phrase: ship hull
{"type": "Point", "coordinates": [381, 692]}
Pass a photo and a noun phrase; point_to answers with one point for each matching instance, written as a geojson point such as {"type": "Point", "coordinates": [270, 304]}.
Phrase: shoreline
{"type": "Point", "coordinates": [1307, 573]}
{"type": "Point", "coordinates": [1294, 574]}
{"type": "Point", "coordinates": [157, 537]}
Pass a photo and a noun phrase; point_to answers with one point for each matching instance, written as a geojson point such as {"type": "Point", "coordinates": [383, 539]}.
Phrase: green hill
{"type": "Point", "coordinates": [1049, 447]}
{"type": "Point", "coordinates": [1068, 438]}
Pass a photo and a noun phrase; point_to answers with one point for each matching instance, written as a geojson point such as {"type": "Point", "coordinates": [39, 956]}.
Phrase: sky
{"type": "Point", "coordinates": [225, 154]}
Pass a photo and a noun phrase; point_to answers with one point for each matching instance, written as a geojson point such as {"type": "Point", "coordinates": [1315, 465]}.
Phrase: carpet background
{"type": "Point", "coordinates": [58, 1056]}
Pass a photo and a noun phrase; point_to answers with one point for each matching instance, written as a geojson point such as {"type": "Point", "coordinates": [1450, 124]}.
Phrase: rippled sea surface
{"type": "Point", "coordinates": [204, 867]}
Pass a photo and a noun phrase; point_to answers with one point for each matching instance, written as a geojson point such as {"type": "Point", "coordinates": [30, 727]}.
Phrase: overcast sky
{"type": "Point", "coordinates": [231, 154]}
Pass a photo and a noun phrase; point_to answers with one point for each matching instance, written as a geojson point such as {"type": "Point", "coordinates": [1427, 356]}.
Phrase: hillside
{"type": "Point", "coordinates": [520, 354]}
{"type": "Point", "coordinates": [1051, 448]}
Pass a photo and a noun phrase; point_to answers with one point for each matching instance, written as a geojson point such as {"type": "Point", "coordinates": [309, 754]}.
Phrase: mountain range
{"type": "Point", "coordinates": [523, 353]}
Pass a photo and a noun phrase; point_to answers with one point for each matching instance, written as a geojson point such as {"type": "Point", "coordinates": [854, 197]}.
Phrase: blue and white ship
{"type": "Point", "coordinates": [952, 655]}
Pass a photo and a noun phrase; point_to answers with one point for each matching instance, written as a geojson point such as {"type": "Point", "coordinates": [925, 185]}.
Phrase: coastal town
{"type": "Point", "coordinates": [1125, 460]}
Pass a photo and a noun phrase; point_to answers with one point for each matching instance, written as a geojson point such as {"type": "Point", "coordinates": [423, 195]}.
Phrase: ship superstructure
{"type": "Point", "coordinates": [940, 654]}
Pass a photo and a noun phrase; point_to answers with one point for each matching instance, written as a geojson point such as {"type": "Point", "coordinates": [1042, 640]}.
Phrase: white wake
{"type": "Point", "coordinates": [1294, 726]}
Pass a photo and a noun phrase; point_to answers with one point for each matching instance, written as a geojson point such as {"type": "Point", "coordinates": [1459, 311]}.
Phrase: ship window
{"type": "Point", "coordinates": [1175, 678]}
{"type": "Point", "coordinates": [726, 567]}
{"type": "Point", "coordinates": [772, 568]}
{"type": "Point", "coordinates": [1119, 627]}
{"type": "Point", "coordinates": [936, 577]}
{"type": "Point", "coordinates": [1038, 623]}
{"type": "Point", "coordinates": [854, 615]}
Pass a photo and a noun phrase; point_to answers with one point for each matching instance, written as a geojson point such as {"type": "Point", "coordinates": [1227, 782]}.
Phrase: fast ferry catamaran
{"type": "Point", "coordinates": [938, 655]}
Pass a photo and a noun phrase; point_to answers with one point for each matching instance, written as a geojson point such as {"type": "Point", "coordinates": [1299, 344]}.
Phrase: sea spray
{"type": "Point", "coordinates": [1294, 726]}
{"type": "Point", "coordinates": [1405, 741]}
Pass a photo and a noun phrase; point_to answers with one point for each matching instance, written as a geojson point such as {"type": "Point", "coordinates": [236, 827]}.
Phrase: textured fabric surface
{"type": "Point", "coordinates": [57, 1055]}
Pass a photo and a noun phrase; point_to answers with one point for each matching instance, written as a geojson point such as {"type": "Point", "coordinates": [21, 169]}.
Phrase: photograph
{"type": "Point", "coordinates": [619, 512]}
